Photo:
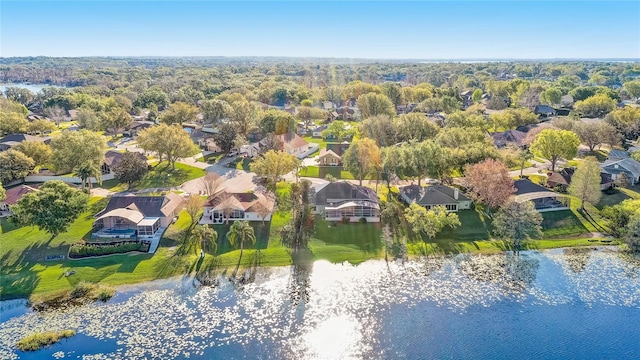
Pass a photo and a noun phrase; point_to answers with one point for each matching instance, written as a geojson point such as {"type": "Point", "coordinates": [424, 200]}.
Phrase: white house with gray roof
{"type": "Point", "coordinates": [437, 195]}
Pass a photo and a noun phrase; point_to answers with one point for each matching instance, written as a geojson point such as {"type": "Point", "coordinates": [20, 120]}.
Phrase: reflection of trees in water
{"type": "Point", "coordinates": [577, 258]}
{"type": "Point", "coordinates": [514, 273]}
{"type": "Point", "coordinates": [631, 263]}
{"type": "Point", "coordinates": [433, 264]}
{"type": "Point", "coordinates": [299, 282]}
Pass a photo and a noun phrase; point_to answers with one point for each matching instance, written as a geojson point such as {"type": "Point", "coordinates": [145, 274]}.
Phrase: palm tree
{"type": "Point", "coordinates": [239, 233]}
{"type": "Point", "coordinates": [87, 170]}
{"type": "Point", "coordinates": [203, 237]}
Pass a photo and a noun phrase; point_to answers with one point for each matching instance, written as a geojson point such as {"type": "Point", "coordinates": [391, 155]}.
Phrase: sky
{"type": "Point", "coordinates": [360, 29]}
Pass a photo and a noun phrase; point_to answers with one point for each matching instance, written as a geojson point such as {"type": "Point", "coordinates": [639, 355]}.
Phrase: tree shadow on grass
{"type": "Point", "coordinates": [170, 266]}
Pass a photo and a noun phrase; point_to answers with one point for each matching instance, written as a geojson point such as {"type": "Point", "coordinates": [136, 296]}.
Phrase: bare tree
{"type": "Point", "coordinates": [211, 183]}
{"type": "Point", "coordinates": [194, 208]}
{"type": "Point", "coordinates": [55, 113]}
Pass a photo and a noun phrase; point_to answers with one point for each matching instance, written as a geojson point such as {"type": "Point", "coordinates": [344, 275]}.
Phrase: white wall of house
{"type": "Point", "coordinates": [248, 216]}
{"type": "Point", "coordinates": [354, 219]}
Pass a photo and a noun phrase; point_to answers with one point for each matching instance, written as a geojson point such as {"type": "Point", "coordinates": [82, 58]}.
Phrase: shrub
{"type": "Point", "coordinates": [345, 220]}
{"type": "Point", "coordinates": [105, 294]}
{"type": "Point", "coordinates": [80, 290]}
{"type": "Point", "coordinates": [39, 340]}
{"type": "Point", "coordinates": [362, 220]}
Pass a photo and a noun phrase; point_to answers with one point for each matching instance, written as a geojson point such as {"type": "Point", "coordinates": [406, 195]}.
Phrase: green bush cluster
{"type": "Point", "coordinates": [39, 340]}
{"type": "Point", "coordinates": [80, 250]}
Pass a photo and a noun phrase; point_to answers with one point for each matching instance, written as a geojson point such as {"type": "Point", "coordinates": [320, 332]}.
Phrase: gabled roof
{"type": "Point", "coordinates": [292, 139]}
{"type": "Point", "coordinates": [325, 152]}
{"type": "Point", "coordinates": [563, 177]}
{"type": "Point", "coordinates": [345, 191]}
{"type": "Point", "coordinates": [432, 195]}
{"type": "Point", "coordinates": [249, 202]}
{"type": "Point", "coordinates": [338, 149]}
{"type": "Point", "coordinates": [544, 109]}
{"type": "Point", "coordinates": [627, 164]}
{"type": "Point", "coordinates": [320, 128]}
{"type": "Point", "coordinates": [149, 206]}
{"type": "Point", "coordinates": [132, 215]}
{"type": "Point", "coordinates": [618, 154]}
{"type": "Point", "coordinates": [16, 193]}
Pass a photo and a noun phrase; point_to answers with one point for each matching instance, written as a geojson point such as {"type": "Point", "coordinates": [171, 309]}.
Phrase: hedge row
{"type": "Point", "coordinates": [80, 250]}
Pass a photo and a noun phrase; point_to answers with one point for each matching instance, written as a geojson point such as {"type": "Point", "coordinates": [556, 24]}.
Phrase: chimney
{"type": "Point", "coordinates": [455, 193]}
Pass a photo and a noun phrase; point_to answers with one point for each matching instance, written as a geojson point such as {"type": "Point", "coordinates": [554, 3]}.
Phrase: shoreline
{"type": "Point", "coordinates": [485, 247]}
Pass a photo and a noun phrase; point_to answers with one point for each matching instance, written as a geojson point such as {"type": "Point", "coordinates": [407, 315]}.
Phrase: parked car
{"type": "Point", "coordinates": [232, 153]}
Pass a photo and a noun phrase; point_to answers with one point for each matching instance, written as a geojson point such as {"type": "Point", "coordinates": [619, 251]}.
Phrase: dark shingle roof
{"type": "Point", "coordinates": [432, 195]}
{"type": "Point", "coordinates": [344, 190]}
{"type": "Point", "coordinates": [112, 157]}
{"type": "Point", "coordinates": [149, 206]}
{"type": "Point", "coordinates": [527, 187]}
{"type": "Point", "coordinates": [23, 137]}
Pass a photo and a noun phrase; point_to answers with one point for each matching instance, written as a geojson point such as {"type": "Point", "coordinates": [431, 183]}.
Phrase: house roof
{"type": "Point", "coordinates": [250, 202]}
{"type": "Point", "coordinates": [619, 154]}
{"type": "Point", "coordinates": [526, 187]}
{"type": "Point", "coordinates": [432, 195]}
{"type": "Point", "coordinates": [345, 191]}
{"type": "Point", "coordinates": [320, 128]}
{"type": "Point", "coordinates": [292, 139]}
{"type": "Point", "coordinates": [18, 138]}
{"type": "Point", "coordinates": [338, 149]}
{"type": "Point", "coordinates": [509, 136]}
{"type": "Point", "coordinates": [149, 206]}
{"type": "Point", "coordinates": [628, 164]}
{"type": "Point", "coordinates": [14, 194]}
{"type": "Point", "coordinates": [325, 152]}
{"type": "Point", "coordinates": [112, 157]}
{"type": "Point", "coordinates": [563, 177]}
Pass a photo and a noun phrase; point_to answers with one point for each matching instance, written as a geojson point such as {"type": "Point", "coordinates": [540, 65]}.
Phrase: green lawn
{"type": "Point", "coordinates": [211, 158]}
{"type": "Point", "coordinates": [160, 176]}
{"type": "Point", "coordinates": [619, 196]}
{"type": "Point", "coordinates": [474, 226]}
{"type": "Point", "coordinates": [562, 223]}
{"type": "Point", "coordinates": [352, 242]}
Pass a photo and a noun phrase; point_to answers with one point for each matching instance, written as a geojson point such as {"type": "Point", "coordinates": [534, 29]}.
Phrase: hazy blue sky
{"type": "Point", "coordinates": [417, 30]}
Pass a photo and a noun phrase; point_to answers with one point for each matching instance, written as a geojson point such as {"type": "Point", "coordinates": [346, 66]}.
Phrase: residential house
{"type": "Point", "coordinates": [137, 217]}
{"type": "Point", "coordinates": [562, 179]}
{"type": "Point", "coordinates": [346, 113]}
{"type": "Point", "coordinates": [435, 195]}
{"type": "Point", "coordinates": [293, 144]}
{"type": "Point", "coordinates": [112, 158]}
{"type": "Point", "coordinates": [137, 126]}
{"type": "Point", "coordinates": [332, 154]}
{"type": "Point", "coordinates": [467, 98]}
{"type": "Point", "coordinates": [227, 206]}
{"type": "Point", "coordinates": [13, 195]}
{"type": "Point", "coordinates": [509, 137]}
{"type": "Point", "coordinates": [342, 200]}
{"type": "Point", "coordinates": [12, 140]}
{"type": "Point", "coordinates": [543, 199]}
{"type": "Point", "coordinates": [544, 111]}
{"type": "Point", "coordinates": [628, 166]}
{"type": "Point", "coordinates": [251, 150]}
{"type": "Point", "coordinates": [317, 132]}
{"type": "Point", "coordinates": [566, 101]}
{"type": "Point", "coordinates": [328, 105]}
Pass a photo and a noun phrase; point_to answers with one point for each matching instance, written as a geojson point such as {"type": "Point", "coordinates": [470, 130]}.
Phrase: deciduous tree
{"type": "Point", "coordinates": [244, 116]}
{"type": "Point", "coordinates": [170, 142]}
{"type": "Point", "coordinates": [595, 134]}
{"type": "Point", "coordinates": [179, 113]}
{"type": "Point", "coordinates": [361, 158]}
{"type": "Point", "coordinates": [132, 167]}
{"type": "Point", "coordinates": [211, 183]}
{"type": "Point", "coordinates": [517, 221]}
{"type": "Point", "coordinates": [551, 96]}
{"type": "Point", "coordinates": [74, 148]}
{"type": "Point", "coordinates": [626, 120]}
{"type": "Point", "coordinates": [380, 128]}
{"type": "Point", "coordinates": [415, 127]}
{"type": "Point", "coordinates": [20, 95]}
{"type": "Point", "coordinates": [38, 151]}
{"type": "Point", "coordinates": [274, 164]}
{"type": "Point", "coordinates": [14, 165]}
{"type": "Point", "coordinates": [52, 208]}
{"type": "Point", "coordinates": [194, 208]}
{"type": "Point", "coordinates": [113, 119]}
{"type": "Point", "coordinates": [585, 182]}
{"type": "Point", "coordinates": [430, 222]}
{"type": "Point", "coordinates": [595, 106]}
{"type": "Point", "coordinates": [215, 110]}
{"type": "Point", "coordinates": [226, 137]}
{"type": "Point", "coordinates": [12, 123]}
{"type": "Point", "coordinates": [373, 104]}
{"type": "Point", "coordinates": [40, 126]}
{"type": "Point", "coordinates": [55, 113]}
{"type": "Point", "coordinates": [632, 87]}
{"type": "Point", "coordinates": [489, 182]}
{"type": "Point", "coordinates": [555, 144]}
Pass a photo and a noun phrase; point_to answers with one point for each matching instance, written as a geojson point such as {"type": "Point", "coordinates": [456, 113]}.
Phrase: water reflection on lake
{"type": "Point", "coordinates": [557, 304]}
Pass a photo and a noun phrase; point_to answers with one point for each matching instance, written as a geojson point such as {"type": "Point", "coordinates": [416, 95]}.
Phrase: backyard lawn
{"type": "Point", "coordinates": [160, 176]}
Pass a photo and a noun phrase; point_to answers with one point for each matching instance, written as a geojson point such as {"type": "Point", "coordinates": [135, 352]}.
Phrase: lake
{"type": "Point", "coordinates": [558, 304]}
{"type": "Point", "coordinates": [34, 88]}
